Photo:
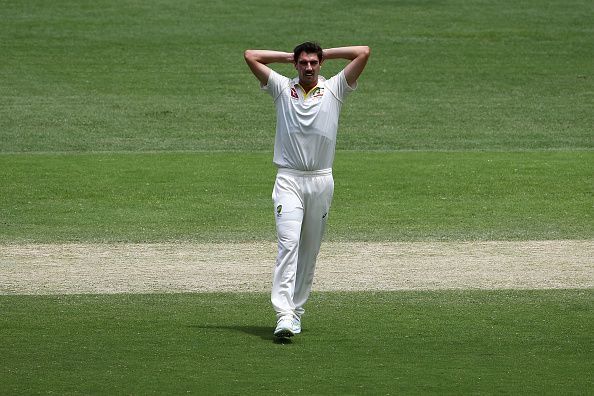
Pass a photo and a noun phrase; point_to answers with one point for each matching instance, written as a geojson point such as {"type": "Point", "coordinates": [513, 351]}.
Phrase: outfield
{"type": "Point", "coordinates": [136, 235]}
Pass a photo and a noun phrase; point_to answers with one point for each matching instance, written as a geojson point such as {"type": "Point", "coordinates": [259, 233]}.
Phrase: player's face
{"type": "Point", "coordinates": [308, 67]}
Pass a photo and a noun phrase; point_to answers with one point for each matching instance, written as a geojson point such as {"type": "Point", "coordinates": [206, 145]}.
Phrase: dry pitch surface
{"type": "Point", "coordinates": [218, 267]}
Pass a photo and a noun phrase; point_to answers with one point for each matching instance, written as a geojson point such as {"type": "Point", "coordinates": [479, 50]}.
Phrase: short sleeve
{"type": "Point", "coordinates": [276, 84]}
{"type": "Point", "coordinates": [339, 86]}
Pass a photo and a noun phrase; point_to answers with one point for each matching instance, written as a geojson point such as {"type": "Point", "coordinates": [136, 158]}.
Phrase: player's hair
{"type": "Point", "coordinates": [309, 48]}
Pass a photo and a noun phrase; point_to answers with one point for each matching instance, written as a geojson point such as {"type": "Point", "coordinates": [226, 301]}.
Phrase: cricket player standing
{"type": "Point", "coordinates": [307, 111]}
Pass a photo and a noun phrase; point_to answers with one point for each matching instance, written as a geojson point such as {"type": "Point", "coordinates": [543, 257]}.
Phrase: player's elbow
{"type": "Point", "coordinates": [250, 56]}
{"type": "Point", "coordinates": [365, 51]}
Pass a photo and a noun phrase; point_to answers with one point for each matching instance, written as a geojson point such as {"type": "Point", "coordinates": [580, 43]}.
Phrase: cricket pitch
{"type": "Point", "coordinates": [43, 269]}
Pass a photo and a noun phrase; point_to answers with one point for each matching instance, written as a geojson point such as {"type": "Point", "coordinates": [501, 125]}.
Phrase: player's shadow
{"type": "Point", "coordinates": [263, 332]}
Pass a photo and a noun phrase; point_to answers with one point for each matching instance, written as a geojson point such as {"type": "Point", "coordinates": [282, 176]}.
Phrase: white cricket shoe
{"type": "Point", "coordinates": [297, 325]}
{"type": "Point", "coordinates": [285, 327]}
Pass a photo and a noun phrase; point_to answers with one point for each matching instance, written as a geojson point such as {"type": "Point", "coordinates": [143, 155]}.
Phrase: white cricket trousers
{"type": "Point", "coordinates": [301, 201]}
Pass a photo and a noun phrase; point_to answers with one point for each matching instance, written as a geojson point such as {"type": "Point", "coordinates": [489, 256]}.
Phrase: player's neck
{"type": "Point", "coordinates": [307, 87]}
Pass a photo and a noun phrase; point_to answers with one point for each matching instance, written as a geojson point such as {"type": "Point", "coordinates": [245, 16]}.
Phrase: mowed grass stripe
{"type": "Point", "coordinates": [387, 196]}
{"type": "Point", "coordinates": [529, 342]}
{"type": "Point", "coordinates": [109, 75]}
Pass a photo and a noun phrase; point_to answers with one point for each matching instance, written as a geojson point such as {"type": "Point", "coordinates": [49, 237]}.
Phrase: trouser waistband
{"type": "Point", "coordinates": [301, 173]}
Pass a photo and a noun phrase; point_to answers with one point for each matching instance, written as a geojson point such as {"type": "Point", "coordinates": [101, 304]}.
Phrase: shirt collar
{"type": "Point", "coordinates": [321, 81]}
{"type": "Point", "coordinates": [320, 84]}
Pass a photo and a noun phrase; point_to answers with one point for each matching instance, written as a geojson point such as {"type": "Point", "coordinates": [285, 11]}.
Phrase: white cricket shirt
{"type": "Point", "coordinates": [306, 123]}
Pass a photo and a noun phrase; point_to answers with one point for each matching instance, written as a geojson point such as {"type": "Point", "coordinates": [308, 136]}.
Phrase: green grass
{"type": "Point", "coordinates": [452, 342]}
{"type": "Point", "coordinates": [139, 121]}
{"type": "Point", "coordinates": [227, 196]}
{"type": "Point", "coordinates": [446, 78]}
{"type": "Point", "coordinates": [153, 75]}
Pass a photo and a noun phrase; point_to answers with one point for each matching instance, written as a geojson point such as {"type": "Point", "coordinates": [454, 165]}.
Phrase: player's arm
{"type": "Point", "coordinates": [358, 56]}
{"type": "Point", "coordinates": [258, 60]}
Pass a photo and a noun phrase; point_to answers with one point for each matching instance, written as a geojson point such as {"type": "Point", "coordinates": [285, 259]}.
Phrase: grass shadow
{"type": "Point", "coordinates": [263, 332]}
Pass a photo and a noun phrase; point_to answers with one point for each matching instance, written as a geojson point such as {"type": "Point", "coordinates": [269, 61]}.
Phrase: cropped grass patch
{"type": "Point", "coordinates": [353, 343]}
{"type": "Point", "coordinates": [227, 196]}
{"type": "Point", "coordinates": [109, 75]}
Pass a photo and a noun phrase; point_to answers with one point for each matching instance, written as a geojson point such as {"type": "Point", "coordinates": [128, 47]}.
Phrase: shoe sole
{"type": "Point", "coordinates": [284, 333]}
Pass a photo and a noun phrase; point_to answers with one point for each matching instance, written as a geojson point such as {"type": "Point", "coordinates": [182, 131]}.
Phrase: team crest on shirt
{"type": "Point", "coordinates": [294, 93]}
{"type": "Point", "coordinates": [318, 92]}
